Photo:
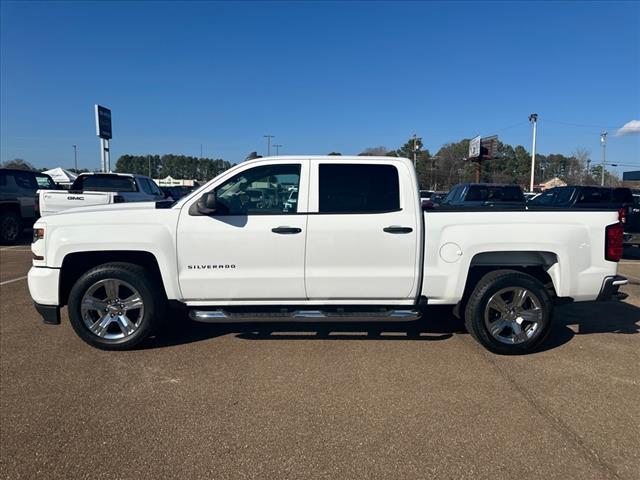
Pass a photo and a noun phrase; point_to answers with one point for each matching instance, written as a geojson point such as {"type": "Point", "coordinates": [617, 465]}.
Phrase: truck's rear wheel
{"type": "Point", "coordinates": [115, 306]}
{"type": "Point", "coordinates": [509, 312]}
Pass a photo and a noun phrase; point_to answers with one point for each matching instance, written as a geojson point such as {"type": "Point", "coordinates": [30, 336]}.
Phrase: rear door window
{"type": "Point", "coordinates": [358, 188]}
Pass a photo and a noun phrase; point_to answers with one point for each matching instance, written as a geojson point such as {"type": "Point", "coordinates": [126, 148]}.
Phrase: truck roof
{"type": "Point", "coordinates": [110, 173]}
{"type": "Point", "coordinates": [331, 157]}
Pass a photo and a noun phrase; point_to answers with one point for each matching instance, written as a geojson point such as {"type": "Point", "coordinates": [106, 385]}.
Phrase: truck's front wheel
{"type": "Point", "coordinates": [115, 306]}
{"type": "Point", "coordinates": [509, 312]}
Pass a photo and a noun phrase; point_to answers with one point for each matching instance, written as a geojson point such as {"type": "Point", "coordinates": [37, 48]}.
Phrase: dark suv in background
{"type": "Point", "coordinates": [614, 198]}
{"type": "Point", "coordinates": [18, 200]}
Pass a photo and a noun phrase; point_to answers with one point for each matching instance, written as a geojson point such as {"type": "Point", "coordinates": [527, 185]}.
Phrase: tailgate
{"type": "Point", "coordinates": [57, 201]}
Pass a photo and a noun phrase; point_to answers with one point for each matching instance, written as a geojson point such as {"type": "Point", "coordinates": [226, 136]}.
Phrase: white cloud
{"type": "Point", "coordinates": [630, 128]}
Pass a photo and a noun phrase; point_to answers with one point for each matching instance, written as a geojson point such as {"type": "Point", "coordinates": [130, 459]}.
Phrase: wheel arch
{"type": "Point", "coordinates": [542, 265]}
{"type": "Point", "coordinates": [76, 264]}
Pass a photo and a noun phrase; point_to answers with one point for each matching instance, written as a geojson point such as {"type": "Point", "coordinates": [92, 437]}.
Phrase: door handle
{"type": "Point", "coordinates": [396, 229]}
{"type": "Point", "coordinates": [286, 230]}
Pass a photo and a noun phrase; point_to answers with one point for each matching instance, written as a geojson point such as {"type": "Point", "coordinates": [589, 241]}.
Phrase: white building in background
{"type": "Point", "coordinates": [169, 181]}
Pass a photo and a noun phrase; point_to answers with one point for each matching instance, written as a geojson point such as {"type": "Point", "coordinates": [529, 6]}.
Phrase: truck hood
{"type": "Point", "coordinates": [122, 215]}
{"type": "Point", "coordinates": [109, 208]}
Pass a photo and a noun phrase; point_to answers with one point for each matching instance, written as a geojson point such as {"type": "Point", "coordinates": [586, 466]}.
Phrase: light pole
{"type": "Point", "coordinates": [268, 137]}
{"type": "Point", "coordinates": [75, 157]}
{"type": "Point", "coordinates": [277, 147]}
{"type": "Point", "coordinates": [415, 152]}
{"type": "Point", "coordinates": [603, 142]}
{"type": "Point", "coordinates": [533, 118]}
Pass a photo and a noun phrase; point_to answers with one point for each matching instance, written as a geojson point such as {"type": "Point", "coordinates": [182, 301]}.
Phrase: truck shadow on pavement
{"type": "Point", "coordinates": [438, 323]}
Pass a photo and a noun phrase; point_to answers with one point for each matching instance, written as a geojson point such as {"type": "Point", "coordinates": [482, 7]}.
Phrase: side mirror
{"type": "Point", "coordinates": [207, 203]}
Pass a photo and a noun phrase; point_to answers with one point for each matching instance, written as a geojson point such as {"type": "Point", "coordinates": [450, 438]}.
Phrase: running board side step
{"type": "Point", "coordinates": [224, 316]}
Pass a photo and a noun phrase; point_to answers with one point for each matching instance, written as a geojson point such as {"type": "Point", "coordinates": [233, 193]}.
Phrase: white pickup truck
{"type": "Point", "coordinates": [97, 189]}
{"type": "Point", "coordinates": [353, 243]}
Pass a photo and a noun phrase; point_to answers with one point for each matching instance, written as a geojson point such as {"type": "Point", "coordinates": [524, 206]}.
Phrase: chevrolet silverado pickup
{"type": "Point", "coordinates": [352, 244]}
{"type": "Point", "coordinates": [98, 189]}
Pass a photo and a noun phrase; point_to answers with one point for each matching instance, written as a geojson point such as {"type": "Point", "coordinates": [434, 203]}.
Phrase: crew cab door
{"type": "Point", "coordinates": [252, 247]}
{"type": "Point", "coordinates": [362, 231]}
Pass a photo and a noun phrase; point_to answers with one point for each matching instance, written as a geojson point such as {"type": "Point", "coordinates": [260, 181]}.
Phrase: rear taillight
{"type": "Point", "coordinates": [118, 199]}
{"type": "Point", "coordinates": [613, 244]}
{"type": "Point", "coordinates": [622, 215]}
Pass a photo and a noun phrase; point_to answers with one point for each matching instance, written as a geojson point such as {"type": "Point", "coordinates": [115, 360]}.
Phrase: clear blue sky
{"type": "Point", "coordinates": [319, 76]}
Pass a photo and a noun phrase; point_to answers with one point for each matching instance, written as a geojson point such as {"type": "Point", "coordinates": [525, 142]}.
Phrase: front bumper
{"type": "Point", "coordinates": [50, 313]}
{"type": "Point", "coordinates": [610, 286]}
{"type": "Point", "coordinates": [44, 284]}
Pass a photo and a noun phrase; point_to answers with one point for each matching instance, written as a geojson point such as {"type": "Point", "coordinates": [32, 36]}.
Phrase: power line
{"type": "Point", "coordinates": [581, 125]}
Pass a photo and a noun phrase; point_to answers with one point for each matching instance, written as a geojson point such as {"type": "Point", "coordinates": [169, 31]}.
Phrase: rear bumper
{"type": "Point", "coordinates": [610, 286]}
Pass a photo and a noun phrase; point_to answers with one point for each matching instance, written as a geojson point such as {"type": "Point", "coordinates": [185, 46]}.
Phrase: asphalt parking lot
{"type": "Point", "coordinates": [419, 400]}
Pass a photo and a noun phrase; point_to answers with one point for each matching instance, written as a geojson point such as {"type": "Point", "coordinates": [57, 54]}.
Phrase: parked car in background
{"type": "Point", "coordinates": [484, 195]}
{"type": "Point", "coordinates": [528, 196]}
{"type": "Point", "coordinates": [91, 189]}
{"type": "Point", "coordinates": [176, 192]}
{"type": "Point", "coordinates": [614, 198]}
{"type": "Point", "coordinates": [19, 200]}
{"type": "Point", "coordinates": [425, 198]}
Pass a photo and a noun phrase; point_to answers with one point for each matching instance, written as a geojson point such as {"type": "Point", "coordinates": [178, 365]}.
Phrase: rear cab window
{"type": "Point", "coordinates": [105, 183]}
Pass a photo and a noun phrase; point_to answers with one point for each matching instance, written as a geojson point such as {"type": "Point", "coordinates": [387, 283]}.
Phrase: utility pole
{"type": "Point", "coordinates": [277, 147]}
{"type": "Point", "coordinates": [201, 151]}
{"type": "Point", "coordinates": [533, 118]}
{"type": "Point", "coordinates": [415, 152]}
{"type": "Point", "coordinates": [269, 137]}
{"type": "Point", "coordinates": [149, 158]}
{"type": "Point", "coordinates": [75, 158]}
{"type": "Point", "coordinates": [603, 142]}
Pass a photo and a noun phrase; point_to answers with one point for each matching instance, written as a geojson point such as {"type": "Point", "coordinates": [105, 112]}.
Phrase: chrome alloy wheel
{"type": "Point", "coordinates": [514, 315]}
{"type": "Point", "coordinates": [112, 309]}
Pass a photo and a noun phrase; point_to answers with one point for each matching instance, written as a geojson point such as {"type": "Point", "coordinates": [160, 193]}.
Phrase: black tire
{"type": "Point", "coordinates": [495, 287]}
{"type": "Point", "coordinates": [126, 277]}
{"type": "Point", "coordinates": [10, 227]}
